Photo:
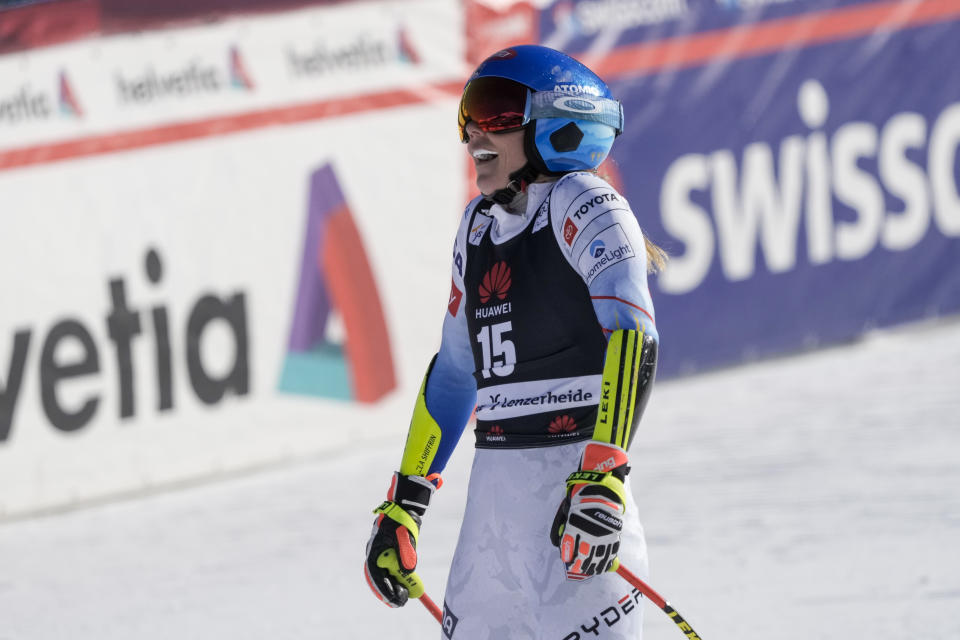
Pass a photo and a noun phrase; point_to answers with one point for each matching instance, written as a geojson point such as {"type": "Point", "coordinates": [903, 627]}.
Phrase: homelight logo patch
{"type": "Point", "coordinates": [335, 274]}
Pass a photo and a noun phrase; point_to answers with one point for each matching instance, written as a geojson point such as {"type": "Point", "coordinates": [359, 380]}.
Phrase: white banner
{"type": "Point", "coordinates": [201, 303]}
{"type": "Point", "coordinates": [238, 66]}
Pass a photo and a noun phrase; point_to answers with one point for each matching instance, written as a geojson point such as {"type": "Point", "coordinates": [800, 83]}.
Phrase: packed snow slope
{"type": "Point", "coordinates": [816, 496]}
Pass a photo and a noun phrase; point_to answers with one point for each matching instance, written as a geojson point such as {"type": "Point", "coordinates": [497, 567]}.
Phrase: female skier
{"type": "Point", "coordinates": [550, 333]}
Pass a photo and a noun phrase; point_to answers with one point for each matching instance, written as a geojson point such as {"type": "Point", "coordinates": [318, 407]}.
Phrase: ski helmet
{"type": "Point", "coordinates": [570, 117]}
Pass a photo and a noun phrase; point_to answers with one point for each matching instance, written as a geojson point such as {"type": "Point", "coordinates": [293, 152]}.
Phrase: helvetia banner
{"type": "Point", "coordinates": [211, 245]}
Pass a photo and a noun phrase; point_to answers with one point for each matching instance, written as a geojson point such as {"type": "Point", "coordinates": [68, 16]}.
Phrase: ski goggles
{"type": "Point", "coordinates": [497, 105]}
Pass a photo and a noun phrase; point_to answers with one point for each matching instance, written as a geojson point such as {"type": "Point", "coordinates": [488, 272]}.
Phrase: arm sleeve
{"type": "Point", "coordinates": [602, 241]}
{"type": "Point", "coordinates": [600, 237]}
{"type": "Point", "coordinates": [451, 391]}
{"type": "Point", "coordinates": [448, 394]}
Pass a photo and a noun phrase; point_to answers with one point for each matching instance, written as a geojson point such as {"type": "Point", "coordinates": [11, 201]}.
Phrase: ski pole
{"type": "Point", "coordinates": [658, 600]}
{"type": "Point", "coordinates": [627, 575]}
{"type": "Point", "coordinates": [432, 607]}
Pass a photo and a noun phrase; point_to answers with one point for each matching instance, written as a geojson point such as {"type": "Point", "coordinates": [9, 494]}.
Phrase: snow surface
{"type": "Point", "coordinates": [816, 496]}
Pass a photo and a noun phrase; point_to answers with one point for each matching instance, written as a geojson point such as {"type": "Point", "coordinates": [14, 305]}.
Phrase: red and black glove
{"type": "Point", "coordinates": [589, 521]}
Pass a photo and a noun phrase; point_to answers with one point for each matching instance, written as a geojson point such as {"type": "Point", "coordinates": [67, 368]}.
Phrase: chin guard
{"type": "Point", "coordinates": [519, 180]}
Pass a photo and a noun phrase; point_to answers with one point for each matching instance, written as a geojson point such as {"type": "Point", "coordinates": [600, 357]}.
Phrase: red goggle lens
{"type": "Point", "coordinates": [494, 104]}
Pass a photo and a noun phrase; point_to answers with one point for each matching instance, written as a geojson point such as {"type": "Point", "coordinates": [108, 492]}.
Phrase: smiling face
{"type": "Point", "coordinates": [495, 156]}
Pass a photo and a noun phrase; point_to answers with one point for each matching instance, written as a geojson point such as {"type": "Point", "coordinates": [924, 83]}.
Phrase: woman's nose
{"type": "Point", "coordinates": [473, 129]}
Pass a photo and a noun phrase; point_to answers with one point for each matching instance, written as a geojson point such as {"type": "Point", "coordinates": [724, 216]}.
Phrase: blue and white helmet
{"type": "Point", "coordinates": [570, 117]}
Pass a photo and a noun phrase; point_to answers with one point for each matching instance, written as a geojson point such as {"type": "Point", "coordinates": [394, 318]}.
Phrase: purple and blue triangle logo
{"type": "Point", "coordinates": [407, 53]}
{"type": "Point", "coordinates": [239, 77]}
{"type": "Point", "coordinates": [69, 105]}
{"type": "Point", "coordinates": [335, 275]}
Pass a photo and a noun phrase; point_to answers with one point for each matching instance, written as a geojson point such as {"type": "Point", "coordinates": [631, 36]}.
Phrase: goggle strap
{"type": "Point", "coordinates": [561, 104]}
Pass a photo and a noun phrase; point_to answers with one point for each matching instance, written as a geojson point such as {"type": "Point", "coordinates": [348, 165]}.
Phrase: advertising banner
{"type": "Point", "coordinates": [211, 246]}
{"type": "Point", "coordinates": [798, 160]}
{"type": "Point", "coordinates": [212, 238]}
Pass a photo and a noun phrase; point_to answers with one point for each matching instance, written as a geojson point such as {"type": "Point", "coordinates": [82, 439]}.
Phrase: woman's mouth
{"type": "Point", "coordinates": [483, 155]}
